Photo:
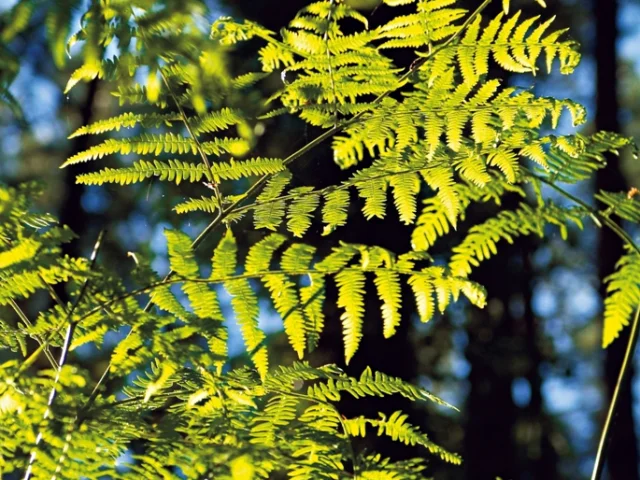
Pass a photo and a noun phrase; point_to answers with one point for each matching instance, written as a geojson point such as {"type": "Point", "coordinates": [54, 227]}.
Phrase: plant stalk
{"type": "Point", "coordinates": [605, 436]}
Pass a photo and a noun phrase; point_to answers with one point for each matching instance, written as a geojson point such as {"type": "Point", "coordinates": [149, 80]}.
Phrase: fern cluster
{"type": "Point", "coordinates": [433, 139]}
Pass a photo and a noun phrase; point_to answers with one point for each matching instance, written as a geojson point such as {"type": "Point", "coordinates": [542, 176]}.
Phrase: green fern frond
{"type": "Point", "coordinates": [481, 241]}
{"type": "Point", "coordinates": [287, 303]}
{"type": "Point", "coordinates": [127, 120]}
{"type": "Point", "coordinates": [397, 427]}
{"type": "Point", "coordinates": [626, 206]}
{"type": "Point", "coordinates": [434, 222]}
{"type": "Point", "coordinates": [515, 45]}
{"type": "Point", "coordinates": [623, 296]}
{"type": "Point", "coordinates": [405, 189]}
{"type": "Point", "coordinates": [270, 215]}
{"type": "Point", "coordinates": [243, 300]}
{"type": "Point", "coordinates": [335, 210]}
{"type": "Point", "coordinates": [431, 23]}
{"type": "Point", "coordinates": [351, 297]}
{"type": "Point", "coordinates": [181, 258]}
{"type": "Point", "coordinates": [388, 284]}
{"type": "Point", "coordinates": [300, 210]}
{"type": "Point", "coordinates": [156, 144]}
{"type": "Point", "coordinates": [574, 158]}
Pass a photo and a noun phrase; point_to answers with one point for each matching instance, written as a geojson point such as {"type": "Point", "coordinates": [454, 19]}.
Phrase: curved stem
{"type": "Point", "coordinates": [596, 214]}
{"type": "Point", "coordinates": [625, 368]}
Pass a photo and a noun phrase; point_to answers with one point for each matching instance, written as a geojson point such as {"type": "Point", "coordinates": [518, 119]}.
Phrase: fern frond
{"type": "Point", "coordinates": [243, 300]}
{"type": "Point", "coordinates": [405, 189]}
{"type": "Point", "coordinates": [388, 285]}
{"type": "Point", "coordinates": [351, 297]}
{"type": "Point", "coordinates": [623, 296]}
{"type": "Point", "coordinates": [270, 215]}
{"type": "Point", "coordinates": [127, 120]}
{"type": "Point", "coordinates": [574, 158]}
{"type": "Point", "coordinates": [480, 243]}
{"type": "Point", "coordinates": [432, 22]}
{"type": "Point", "coordinates": [397, 427]}
{"type": "Point", "coordinates": [516, 45]}
{"type": "Point", "coordinates": [625, 206]}
{"type": "Point", "coordinates": [335, 210]}
{"type": "Point", "coordinates": [156, 144]}
{"type": "Point", "coordinates": [287, 303]}
{"type": "Point", "coordinates": [434, 222]}
{"type": "Point", "coordinates": [301, 210]}
{"type": "Point", "coordinates": [181, 258]}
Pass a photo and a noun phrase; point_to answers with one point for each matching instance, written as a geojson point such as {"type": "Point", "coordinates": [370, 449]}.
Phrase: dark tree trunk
{"type": "Point", "coordinates": [622, 454]}
{"type": "Point", "coordinates": [542, 457]}
{"type": "Point", "coordinates": [71, 212]}
{"type": "Point", "coordinates": [489, 442]}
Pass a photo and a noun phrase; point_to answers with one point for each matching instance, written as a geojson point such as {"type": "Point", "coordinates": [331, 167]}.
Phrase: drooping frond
{"type": "Point", "coordinates": [243, 300]}
{"type": "Point", "coordinates": [481, 241]}
{"type": "Point", "coordinates": [397, 427]}
{"type": "Point", "coordinates": [351, 299]}
{"type": "Point", "coordinates": [301, 306]}
{"type": "Point", "coordinates": [623, 296]}
{"type": "Point", "coordinates": [434, 221]}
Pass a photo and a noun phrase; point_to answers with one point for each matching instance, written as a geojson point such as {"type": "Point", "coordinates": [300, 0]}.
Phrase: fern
{"type": "Point", "coordinates": [623, 296]}
{"type": "Point", "coordinates": [433, 140]}
{"type": "Point", "coordinates": [480, 243]}
{"type": "Point", "coordinates": [301, 307]}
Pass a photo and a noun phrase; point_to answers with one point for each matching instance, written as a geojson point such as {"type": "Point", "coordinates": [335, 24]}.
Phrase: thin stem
{"type": "Point", "coordinates": [201, 151]}
{"type": "Point", "coordinates": [625, 368]}
{"type": "Point", "coordinates": [63, 356]}
{"type": "Point", "coordinates": [605, 436]}
{"type": "Point", "coordinates": [38, 338]}
{"type": "Point", "coordinates": [624, 236]}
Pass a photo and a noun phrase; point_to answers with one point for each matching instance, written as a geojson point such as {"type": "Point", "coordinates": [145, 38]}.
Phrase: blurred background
{"type": "Point", "coordinates": [528, 373]}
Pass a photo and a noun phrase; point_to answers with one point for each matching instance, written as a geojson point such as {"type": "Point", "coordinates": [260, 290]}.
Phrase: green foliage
{"type": "Point", "coordinates": [437, 137]}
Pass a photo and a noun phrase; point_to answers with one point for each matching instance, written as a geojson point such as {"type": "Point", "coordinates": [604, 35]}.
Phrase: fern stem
{"type": "Point", "coordinates": [619, 231]}
{"type": "Point", "coordinates": [605, 436]}
{"type": "Point", "coordinates": [63, 356]}
{"type": "Point", "coordinates": [422, 60]}
{"type": "Point", "coordinates": [203, 155]}
{"type": "Point", "coordinates": [38, 338]}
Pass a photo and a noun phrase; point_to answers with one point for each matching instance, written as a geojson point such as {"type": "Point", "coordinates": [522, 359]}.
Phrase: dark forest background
{"type": "Point", "coordinates": [528, 373]}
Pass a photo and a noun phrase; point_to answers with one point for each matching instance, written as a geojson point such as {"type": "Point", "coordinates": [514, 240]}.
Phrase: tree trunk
{"type": "Point", "coordinates": [622, 454]}
{"type": "Point", "coordinates": [71, 212]}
